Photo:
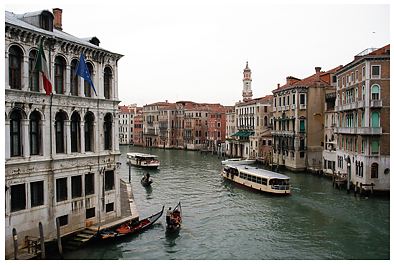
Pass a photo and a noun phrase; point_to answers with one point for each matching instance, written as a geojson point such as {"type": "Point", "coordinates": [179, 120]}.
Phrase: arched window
{"type": "Point", "coordinates": [107, 82]}
{"type": "Point", "coordinates": [34, 131]}
{"type": "Point", "coordinates": [374, 170]}
{"type": "Point", "coordinates": [87, 88]}
{"type": "Point", "coordinates": [265, 121]}
{"type": "Point", "coordinates": [59, 130]}
{"type": "Point", "coordinates": [89, 136]}
{"type": "Point", "coordinates": [363, 92]}
{"type": "Point", "coordinates": [108, 131]}
{"type": "Point", "coordinates": [60, 70]}
{"type": "Point", "coordinates": [75, 132]}
{"type": "Point", "coordinates": [375, 92]}
{"type": "Point", "coordinates": [375, 119]}
{"type": "Point", "coordinates": [15, 133]}
{"type": "Point", "coordinates": [74, 78]}
{"type": "Point", "coordinates": [15, 56]}
{"type": "Point", "coordinates": [33, 74]}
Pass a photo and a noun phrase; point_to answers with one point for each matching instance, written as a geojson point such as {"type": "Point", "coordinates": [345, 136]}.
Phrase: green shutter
{"type": "Point", "coordinates": [375, 147]}
{"type": "Point", "coordinates": [375, 121]}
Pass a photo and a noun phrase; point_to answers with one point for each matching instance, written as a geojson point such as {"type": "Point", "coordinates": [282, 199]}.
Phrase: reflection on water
{"type": "Point", "coordinates": [224, 221]}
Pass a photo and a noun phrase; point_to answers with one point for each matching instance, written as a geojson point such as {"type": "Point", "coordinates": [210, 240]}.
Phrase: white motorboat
{"type": "Point", "coordinates": [143, 160]}
{"type": "Point", "coordinates": [238, 161]}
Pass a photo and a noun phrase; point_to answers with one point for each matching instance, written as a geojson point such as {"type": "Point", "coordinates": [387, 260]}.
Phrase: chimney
{"type": "Point", "coordinates": [278, 85]}
{"type": "Point", "coordinates": [57, 23]}
{"type": "Point", "coordinates": [317, 69]}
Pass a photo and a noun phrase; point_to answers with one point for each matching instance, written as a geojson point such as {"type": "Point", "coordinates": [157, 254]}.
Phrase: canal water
{"type": "Point", "coordinates": [225, 221]}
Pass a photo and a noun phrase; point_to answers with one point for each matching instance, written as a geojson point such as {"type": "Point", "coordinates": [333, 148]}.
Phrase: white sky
{"type": "Point", "coordinates": [197, 50]}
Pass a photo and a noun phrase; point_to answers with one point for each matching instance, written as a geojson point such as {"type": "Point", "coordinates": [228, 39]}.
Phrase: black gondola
{"type": "Point", "coordinates": [129, 228]}
{"type": "Point", "coordinates": [146, 180]}
{"type": "Point", "coordinates": [174, 220]}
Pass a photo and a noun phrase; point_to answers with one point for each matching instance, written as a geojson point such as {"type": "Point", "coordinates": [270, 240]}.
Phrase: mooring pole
{"type": "Point", "coordinates": [15, 239]}
{"type": "Point", "coordinates": [59, 239]}
{"type": "Point", "coordinates": [129, 171]}
{"type": "Point", "coordinates": [42, 241]}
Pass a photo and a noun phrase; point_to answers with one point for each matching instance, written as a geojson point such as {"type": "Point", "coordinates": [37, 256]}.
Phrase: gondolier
{"type": "Point", "coordinates": [168, 215]}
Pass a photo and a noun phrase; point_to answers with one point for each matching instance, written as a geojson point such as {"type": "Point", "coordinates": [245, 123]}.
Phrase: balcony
{"type": "Point", "coordinates": [302, 106]}
{"type": "Point", "coordinates": [376, 103]}
{"type": "Point", "coordinates": [359, 130]}
{"type": "Point", "coordinates": [348, 106]}
{"type": "Point", "coordinates": [283, 133]}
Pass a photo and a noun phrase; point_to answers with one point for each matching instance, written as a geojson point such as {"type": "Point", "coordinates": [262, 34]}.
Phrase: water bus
{"type": "Point", "coordinates": [257, 178]}
{"type": "Point", "coordinates": [143, 160]}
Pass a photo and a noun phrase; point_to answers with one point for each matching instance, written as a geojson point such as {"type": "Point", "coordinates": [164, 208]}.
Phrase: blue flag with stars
{"type": "Point", "coordinates": [83, 71]}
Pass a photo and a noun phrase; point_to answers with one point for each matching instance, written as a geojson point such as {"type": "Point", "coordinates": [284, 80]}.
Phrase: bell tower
{"type": "Point", "coordinates": [247, 93]}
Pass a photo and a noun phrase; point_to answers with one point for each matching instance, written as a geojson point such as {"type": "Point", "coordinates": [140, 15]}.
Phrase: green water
{"type": "Point", "coordinates": [225, 221]}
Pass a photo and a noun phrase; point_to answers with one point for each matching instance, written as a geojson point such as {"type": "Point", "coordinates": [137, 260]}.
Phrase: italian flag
{"type": "Point", "coordinates": [42, 67]}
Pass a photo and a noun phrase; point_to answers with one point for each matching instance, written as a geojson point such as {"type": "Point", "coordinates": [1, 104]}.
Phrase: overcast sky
{"type": "Point", "coordinates": [197, 51]}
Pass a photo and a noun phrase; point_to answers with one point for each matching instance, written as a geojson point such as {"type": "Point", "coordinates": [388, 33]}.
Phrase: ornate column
{"type": "Point", "coordinates": [96, 140]}
{"type": "Point", "coordinates": [53, 123]}
{"type": "Point", "coordinates": [81, 87]}
{"type": "Point", "coordinates": [115, 81]}
{"type": "Point", "coordinates": [25, 73]}
{"type": "Point", "coordinates": [6, 65]}
{"type": "Point", "coordinates": [25, 138]}
{"type": "Point", "coordinates": [115, 136]}
{"type": "Point", "coordinates": [67, 133]}
{"type": "Point", "coordinates": [67, 83]}
{"type": "Point", "coordinates": [43, 139]}
{"type": "Point", "coordinates": [82, 136]}
{"type": "Point", "coordinates": [7, 139]}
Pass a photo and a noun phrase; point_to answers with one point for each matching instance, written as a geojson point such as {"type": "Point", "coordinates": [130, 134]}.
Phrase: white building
{"type": "Point", "coordinates": [126, 123]}
{"type": "Point", "coordinates": [62, 151]}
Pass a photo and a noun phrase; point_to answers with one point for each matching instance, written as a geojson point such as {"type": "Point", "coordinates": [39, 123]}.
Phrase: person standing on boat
{"type": "Point", "coordinates": [147, 177]}
{"type": "Point", "coordinates": [168, 215]}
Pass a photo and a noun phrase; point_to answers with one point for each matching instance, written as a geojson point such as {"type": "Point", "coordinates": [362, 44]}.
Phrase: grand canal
{"type": "Point", "coordinates": [223, 221]}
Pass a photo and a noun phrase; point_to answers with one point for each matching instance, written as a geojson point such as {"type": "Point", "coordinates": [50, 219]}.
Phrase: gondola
{"type": "Point", "coordinates": [145, 181]}
{"type": "Point", "coordinates": [174, 221]}
{"type": "Point", "coordinates": [129, 228]}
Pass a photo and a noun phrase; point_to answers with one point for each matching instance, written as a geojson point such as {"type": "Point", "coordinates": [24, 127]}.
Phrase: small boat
{"type": "Point", "coordinates": [143, 160]}
{"type": "Point", "coordinates": [129, 228]}
{"type": "Point", "coordinates": [146, 180]}
{"type": "Point", "coordinates": [238, 161]}
{"type": "Point", "coordinates": [174, 220]}
{"type": "Point", "coordinates": [257, 178]}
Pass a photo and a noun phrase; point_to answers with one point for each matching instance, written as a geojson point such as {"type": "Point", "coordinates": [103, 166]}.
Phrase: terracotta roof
{"type": "Point", "coordinates": [381, 51]}
{"type": "Point", "coordinates": [124, 109]}
{"type": "Point", "coordinates": [310, 80]}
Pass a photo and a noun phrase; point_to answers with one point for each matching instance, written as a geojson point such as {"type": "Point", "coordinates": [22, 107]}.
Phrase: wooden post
{"type": "Point", "coordinates": [15, 239]}
{"type": "Point", "coordinates": [129, 171]}
{"type": "Point", "coordinates": [59, 239]}
{"type": "Point", "coordinates": [42, 241]}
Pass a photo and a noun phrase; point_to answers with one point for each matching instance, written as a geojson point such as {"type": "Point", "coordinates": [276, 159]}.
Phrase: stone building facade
{"type": "Point", "coordinates": [126, 123]}
{"type": "Point", "coordinates": [330, 138]}
{"type": "Point", "coordinates": [363, 129]}
{"type": "Point", "coordinates": [298, 121]}
{"type": "Point", "coordinates": [61, 151]}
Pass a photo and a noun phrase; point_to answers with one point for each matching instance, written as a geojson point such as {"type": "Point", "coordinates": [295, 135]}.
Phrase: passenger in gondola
{"type": "Point", "coordinates": [168, 216]}
{"type": "Point", "coordinates": [147, 177]}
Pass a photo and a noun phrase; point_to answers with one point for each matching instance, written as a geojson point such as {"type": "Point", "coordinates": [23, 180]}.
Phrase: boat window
{"type": "Point", "coordinates": [249, 177]}
{"type": "Point", "coordinates": [254, 179]}
{"type": "Point", "coordinates": [258, 180]}
{"type": "Point", "coordinates": [264, 181]}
